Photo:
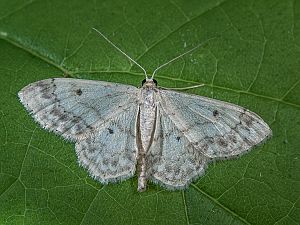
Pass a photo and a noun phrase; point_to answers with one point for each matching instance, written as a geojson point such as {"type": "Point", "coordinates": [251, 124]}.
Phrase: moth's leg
{"type": "Point", "coordinates": [141, 165]}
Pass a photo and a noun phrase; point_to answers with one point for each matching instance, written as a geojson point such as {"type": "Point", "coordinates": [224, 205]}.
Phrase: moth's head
{"type": "Point", "coordinates": [148, 83]}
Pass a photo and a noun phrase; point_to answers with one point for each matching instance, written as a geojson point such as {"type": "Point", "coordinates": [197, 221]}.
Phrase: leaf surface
{"type": "Point", "coordinates": [254, 61]}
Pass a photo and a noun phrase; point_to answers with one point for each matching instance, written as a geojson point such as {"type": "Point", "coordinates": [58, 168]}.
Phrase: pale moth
{"type": "Point", "coordinates": [168, 137]}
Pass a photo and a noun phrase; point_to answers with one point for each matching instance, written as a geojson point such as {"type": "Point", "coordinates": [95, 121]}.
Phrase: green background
{"type": "Point", "coordinates": [254, 61]}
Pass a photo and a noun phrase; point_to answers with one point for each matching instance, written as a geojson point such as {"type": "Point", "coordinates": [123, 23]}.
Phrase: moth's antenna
{"type": "Point", "coordinates": [110, 42]}
{"type": "Point", "coordinates": [177, 57]}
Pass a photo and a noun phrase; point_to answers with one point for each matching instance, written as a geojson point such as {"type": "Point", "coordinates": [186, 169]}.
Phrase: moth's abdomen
{"type": "Point", "coordinates": [146, 123]}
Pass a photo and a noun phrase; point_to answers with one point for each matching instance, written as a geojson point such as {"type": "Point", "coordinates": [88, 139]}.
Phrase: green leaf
{"type": "Point", "coordinates": [253, 62]}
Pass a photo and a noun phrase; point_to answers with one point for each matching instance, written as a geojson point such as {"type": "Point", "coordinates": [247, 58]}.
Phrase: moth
{"type": "Point", "coordinates": [168, 137]}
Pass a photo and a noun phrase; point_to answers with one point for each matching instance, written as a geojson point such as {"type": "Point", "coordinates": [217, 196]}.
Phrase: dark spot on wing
{"type": "Point", "coordinates": [56, 112]}
{"type": "Point", "coordinates": [244, 117]}
{"type": "Point", "coordinates": [209, 140]}
{"type": "Point", "coordinates": [41, 84]}
{"type": "Point", "coordinates": [178, 138]}
{"type": "Point", "coordinates": [46, 95]}
{"type": "Point", "coordinates": [246, 128]}
{"type": "Point", "coordinates": [91, 149]}
{"type": "Point", "coordinates": [105, 162]}
{"type": "Point", "coordinates": [75, 119]}
{"type": "Point", "coordinates": [204, 147]}
{"type": "Point", "coordinates": [111, 131]}
{"type": "Point", "coordinates": [64, 117]}
{"type": "Point", "coordinates": [79, 92]}
{"type": "Point", "coordinates": [79, 129]}
{"type": "Point", "coordinates": [248, 141]}
{"type": "Point", "coordinates": [215, 113]}
{"type": "Point", "coordinates": [168, 168]}
{"type": "Point", "coordinates": [115, 163]}
{"type": "Point", "coordinates": [221, 142]}
{"type": "Point", "coordinates": [232, 138]}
